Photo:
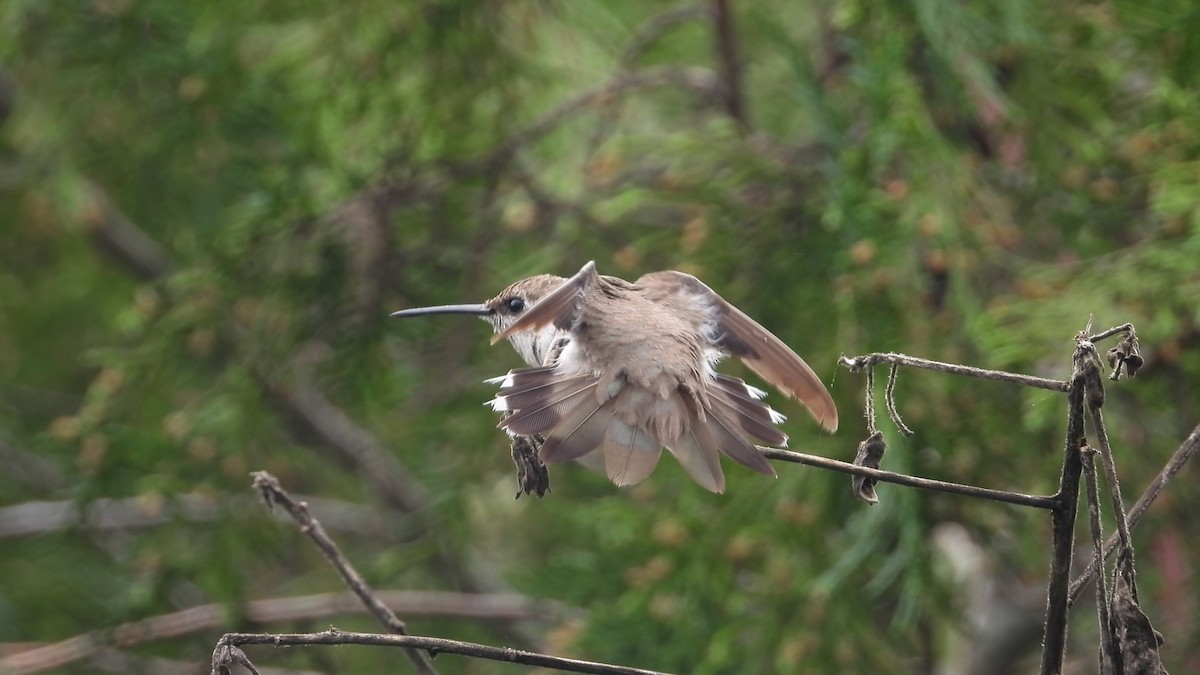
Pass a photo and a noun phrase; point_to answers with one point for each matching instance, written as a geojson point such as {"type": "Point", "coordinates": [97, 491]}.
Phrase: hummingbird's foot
{"type": "Point", "coordinates": [532, 475]}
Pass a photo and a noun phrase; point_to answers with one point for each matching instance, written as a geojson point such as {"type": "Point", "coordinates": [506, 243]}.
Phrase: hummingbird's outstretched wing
{"type": "Point", "coordinates": [560, 307]}
{"type": "Point", "coordinates": [756, 346]}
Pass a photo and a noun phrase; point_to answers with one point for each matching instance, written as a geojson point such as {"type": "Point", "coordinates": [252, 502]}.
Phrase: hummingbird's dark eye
{"type": "Point", "coordinates": [515, 304]}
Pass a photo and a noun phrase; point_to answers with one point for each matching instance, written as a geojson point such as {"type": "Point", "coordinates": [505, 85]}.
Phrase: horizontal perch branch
{"type": "Point", "coordinates": [1017, 498]}
{"type": "Point", "coordinates": [431, 645]}
{"type": "Point", "coordinates": [858, 363]}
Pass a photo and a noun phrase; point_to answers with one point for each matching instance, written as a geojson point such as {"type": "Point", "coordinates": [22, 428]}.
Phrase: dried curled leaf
{"type": "Point", "coordinates": [870, 454]}
{"type": "Point", "coordinates": [1136, 640]}
{"type": "Point", "coordinates": [1126, 355]}
{"type": "Point", "coordinates": [227, 655]}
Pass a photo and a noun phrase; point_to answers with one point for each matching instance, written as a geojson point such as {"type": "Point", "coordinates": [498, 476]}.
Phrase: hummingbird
{"type": "Point", "coordinates": [627, 369]}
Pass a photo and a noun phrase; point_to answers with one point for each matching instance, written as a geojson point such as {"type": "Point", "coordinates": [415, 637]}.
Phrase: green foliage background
{"type": "Point", "coordinates": [962, 181]}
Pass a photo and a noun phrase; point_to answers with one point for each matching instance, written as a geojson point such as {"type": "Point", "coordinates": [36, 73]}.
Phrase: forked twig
{"type": "Point", "coordinates": [1085, 393]}
{"type": "Point", "coordinates": [272, 493]}
{"type": "Point", "coordinates": [858, 363]}
{"type": "Point", "coordinates": [1189, 447]}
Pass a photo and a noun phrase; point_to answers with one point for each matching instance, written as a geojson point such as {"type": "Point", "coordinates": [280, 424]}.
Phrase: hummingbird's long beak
{"type": "Point", "coordinates": [477, 310]}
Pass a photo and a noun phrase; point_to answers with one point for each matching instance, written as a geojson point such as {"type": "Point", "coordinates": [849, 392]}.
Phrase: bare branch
{"type": "Point", "coordinates": [40, 517]}
{"type": "Point", "coordinates": [1085, 366]}
{"type": "Point", "coordinates": [1110, 473]}
{"type": "Point", "coordinates": [1177, 461]}
{"type": "Point", "coordinates": [911, 481]}
{"type": "Point", "coordinates": [1123, 328]}
{"type": "Point", "coordinates": [508, 607]}
{"type": "Point", "coordinates": [433, 646]}
{"type": "Point", "coordinates": [336, 432]}
{"type": "Point", "coordinates": [889, 399]}
{"type": "Point", "coordinates": [120, 238]}
{"type": "Point", "coordinates": [1093, 503]}
{"type": "Point", "coordinates": [273, 493]}
{"type": "Point", "coordinates": [869, 404]}
{"type": "Point", "coordinates": [858, 363]}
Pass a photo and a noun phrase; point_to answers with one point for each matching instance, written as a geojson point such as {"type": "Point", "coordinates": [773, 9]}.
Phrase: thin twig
{"type": "Point", "coordinates": [343, 437]}
{"type": "Point", "coordinates": [858, 363]}
{"type": "Point", "coordinates": [869, 403]}
{"type": "Point", "coordinates": [1189, 447]}
{"type": "Point", "coordinates": [273, 493]}
{"type": "Point", "coordinates": [1092, 493]}
{"type": "Point", "coordinates": [889, 399]}
{"type": "Point", "coordinates": [1017, 498]}
{"type": "Point", "coordinates": [433, 646]}
{"type": "Point", "coordinates": [1110, 472]}
{"type": "Point", "coordinates": [1123, 328]}
{"type": "Point", "coordinates": [1054, 640]}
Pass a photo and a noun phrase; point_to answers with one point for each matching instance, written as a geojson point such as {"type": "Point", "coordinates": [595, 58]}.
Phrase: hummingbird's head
{"type": "Point", "coordinates": [512, 303]}
{"type": "Point", "coordinates": [515, 300]}
{"type": "Point", "coordinates": [504, 310]}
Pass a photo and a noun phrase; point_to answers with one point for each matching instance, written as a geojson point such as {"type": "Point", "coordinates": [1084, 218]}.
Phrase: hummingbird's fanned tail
{"type": "Point", "coordinates": [630, 453]}
{"type": "Point", "coordinates": [698, 454]}
{"type": "Point", "coordinates": [581, 431]}
{"type": "Point", "coordinates": [732, 441]}
{"type": "Point", "coordinates": [742, 405]}
{"type": "Point", "coordinates": [628, 425]}
{"type": "Point", "coordinates": [539, 401]}
{"type": "Point", "coordinates": [566, 410]}
{"type": "Point", "coordinates": [532, 392]}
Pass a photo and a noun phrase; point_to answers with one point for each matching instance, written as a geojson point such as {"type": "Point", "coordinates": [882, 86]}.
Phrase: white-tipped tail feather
{"type": "Point", "coordinates": [630, 425]}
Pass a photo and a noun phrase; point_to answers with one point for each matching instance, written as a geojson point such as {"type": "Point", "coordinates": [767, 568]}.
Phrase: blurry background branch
{"type": "Point", "coordinates": [42, 517]}
{"type": "Point", "coordinates": [274, 611]}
